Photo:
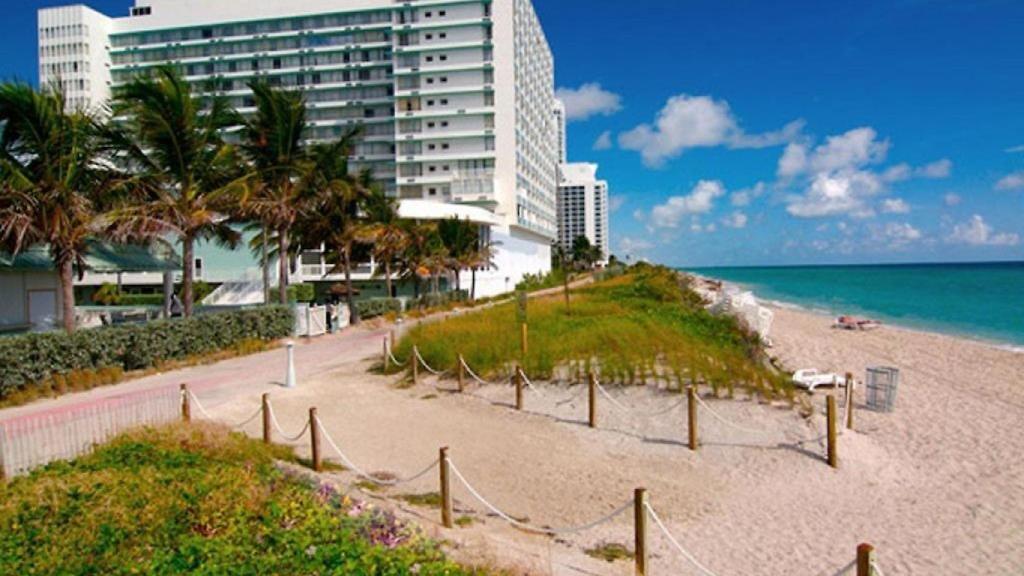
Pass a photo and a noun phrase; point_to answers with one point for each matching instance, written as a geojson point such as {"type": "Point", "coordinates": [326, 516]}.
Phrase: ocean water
{"type": "Point", "coordinates": [979, 300]}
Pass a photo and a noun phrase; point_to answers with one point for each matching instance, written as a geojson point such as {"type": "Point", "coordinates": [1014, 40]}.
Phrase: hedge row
{"type": "Point", "coordinates": [32, 358]}
{"type": "Point", "coordinates": [374, 307]}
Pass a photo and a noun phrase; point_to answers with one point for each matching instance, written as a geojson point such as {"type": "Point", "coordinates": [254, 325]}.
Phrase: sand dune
{"type": "Point", "coordinates": [937, 486]}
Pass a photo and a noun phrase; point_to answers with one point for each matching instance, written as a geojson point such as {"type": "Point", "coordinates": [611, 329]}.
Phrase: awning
{"type": "Point", "coordinates": [430, 210]}
{"type": "Point", "coordinates": [101, 257]}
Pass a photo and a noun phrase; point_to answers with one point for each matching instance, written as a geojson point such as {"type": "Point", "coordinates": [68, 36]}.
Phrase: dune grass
{"type": "Point", "coordinates": [197, 499]}
{"type": "Point", "coordinates": [644, 327]}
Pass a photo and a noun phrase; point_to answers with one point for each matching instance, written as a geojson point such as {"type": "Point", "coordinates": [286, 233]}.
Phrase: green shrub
{"type": "Point", "coordinates": [107, 295]}
{"type": "Point", "coordinates": [301, 293]}
{"type": "Point", "coordinates": [141, 300]}
{"type": "Point", "coordinates": [373, 307]}
{"type": "Point", "coordinates": [31, 359]}
{"type": "Point", "coordinates": [198, 500]}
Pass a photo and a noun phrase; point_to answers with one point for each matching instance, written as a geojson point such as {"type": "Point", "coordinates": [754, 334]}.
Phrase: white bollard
{"type": "Point", "coordinates": [289, 380]}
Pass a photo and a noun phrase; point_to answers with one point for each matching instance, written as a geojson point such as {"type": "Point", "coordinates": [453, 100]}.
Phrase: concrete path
{"type": "Point", "coordinates": [216, 383]}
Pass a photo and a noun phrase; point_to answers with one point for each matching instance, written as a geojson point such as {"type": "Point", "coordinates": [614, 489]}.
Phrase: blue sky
{"type": "Point", "coordinates": [752, 132]}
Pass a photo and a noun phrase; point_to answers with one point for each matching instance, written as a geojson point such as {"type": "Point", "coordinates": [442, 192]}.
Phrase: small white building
{"type": "Point", "coordinates": [582, 207]}
{"type": "Point", "coordinates": [30, 295]}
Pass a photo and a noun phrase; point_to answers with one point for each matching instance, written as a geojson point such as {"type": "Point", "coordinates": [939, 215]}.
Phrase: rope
{"type": "Point", "coordinates": [614, 402]}
{"type": "Point", "coordinates": [416, 353]}
{"type": "Point", "coordinates": [395, 360]}
{"type": "Point", "coordinates": [474, 376]}
{"type": "Point", "coordinates": [207, 415]}
{"type": "Point", "coordinates": [529, 528]}
{"type": "Point", "coordinates": [625, 409]}
{"type": "Point", "coordinates": [664, 530]}
{"type": "Point", "coordinates": [365, 475]}
{"type": "Point", "coordinates": [277, 425]}
{"type": "Point", "coordinates": [530, 384]}
{"type": "Point", "coordinates": [722, 419]}
{"type": "Point", "coordinates": [876, 568]}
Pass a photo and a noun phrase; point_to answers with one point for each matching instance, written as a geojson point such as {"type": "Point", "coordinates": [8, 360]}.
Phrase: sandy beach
{"type": "Point", "coordinates": [937, 486]}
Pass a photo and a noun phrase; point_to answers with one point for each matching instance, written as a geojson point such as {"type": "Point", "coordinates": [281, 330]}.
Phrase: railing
{"type": "Point", "coordinates": [34, 440]}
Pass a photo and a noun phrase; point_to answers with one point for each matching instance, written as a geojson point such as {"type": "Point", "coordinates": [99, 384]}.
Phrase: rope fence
{"type": "Point", "coordinates": [635, 418]}
{"type": "Point", "coordinates": [167, 404]}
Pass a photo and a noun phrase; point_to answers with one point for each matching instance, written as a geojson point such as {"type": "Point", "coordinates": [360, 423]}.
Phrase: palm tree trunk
{"type": "Point", "coordinates": [353, 313]}
{"type": "Point", "coordinates": [387, 277]}
{"type": "Point", "coordinates": [265, 264]}
{"type": "Point", "coordinates": [67, 291]}
{"type": "Point", "coordinates": [282, 268]}
{"type": "Point", "coordinates": [188, 273]}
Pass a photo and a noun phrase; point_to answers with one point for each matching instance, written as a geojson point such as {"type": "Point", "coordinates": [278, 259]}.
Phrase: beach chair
{"type": "Point", "coordinates": [811, 378]}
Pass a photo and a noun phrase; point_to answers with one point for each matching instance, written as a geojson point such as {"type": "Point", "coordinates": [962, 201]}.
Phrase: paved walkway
{"type": "Point", "coordinates": [218, 382]}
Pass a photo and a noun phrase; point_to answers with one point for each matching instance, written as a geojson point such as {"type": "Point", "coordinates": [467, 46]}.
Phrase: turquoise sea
{"type": "Point", "coordinates": [979, 300]}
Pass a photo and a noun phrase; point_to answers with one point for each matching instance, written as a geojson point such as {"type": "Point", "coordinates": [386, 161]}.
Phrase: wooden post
{"type": "Point", "coordinates": [640, 530]}
{"type": "Point", "coordinates": [865, 552]}
{"type": "Point", "coordinates": [384, 354]}
{"type": "Point", "coordinates": [849, 401]}
{"type": "Point", "coordinates": [186, 404]}
{"type": "Point", "coordinates": [517, 378]}
{"type": "Point", "coordinates": [462, 373]}
{"type": "Point", "coordinates": [592, 399]}
{"type": "Point", "coordinates": [266, 419]}
{"type": "Point", "coordinates": [830, 414]}
{"type": "Point", "coordinates": [392, 336]}
{"type": "Point", "coordinates": [314, 438]}
{"type": "Point", "coordinates": [524, 339]}
{"type": "Point", "coordinates": [691, 407]}
{"type": "Point", "coordinates": [446, 493]}
{"type": "Point", "coordinates": [415, 361]}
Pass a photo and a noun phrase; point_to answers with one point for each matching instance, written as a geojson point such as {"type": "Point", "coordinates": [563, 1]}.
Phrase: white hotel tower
{"type": "Point", "coordinates": [455, 96]}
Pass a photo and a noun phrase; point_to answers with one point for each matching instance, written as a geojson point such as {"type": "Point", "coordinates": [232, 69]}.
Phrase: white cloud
{"type": "Point", "coordinates": [895, 206]}
{"type": "Point", "coordinates": [604, 141]}
{"type": "Point", "coordinates": [629, 245]}
{"type": "Point", "coordinates": [951, 199]}
{"type": "Point", "coordinates": [588, 100]}
{"type": "Point", "coordinates": [688, 122]}
{"type": "Point", "coordinates": [1015, 149]}
{"type": "Point", "coordinates": [615, 202]}
{"type": "Point", "coordinates": [976, 232]}
{"type": "Point", "coordinates": [901, 234]}
{"type": "Point", "coordinates": [932, 171]}
{"type": "Point", "coordinates": [745, 196]}
{"type": "Point", "coordinates": [839, 177]}
{"type": "Point", "coordinates": [938, 169]}
{"type": "Point", "coordinates": [834, 194]}
{"type": "Point", "coordinates": [735, 220]}
{"type": "Point", "coordinates": [700, 200]}
{"type": "Point", "coordinates": [854, 149]}
{"type": "Point", "coordinates": [1014, 181]}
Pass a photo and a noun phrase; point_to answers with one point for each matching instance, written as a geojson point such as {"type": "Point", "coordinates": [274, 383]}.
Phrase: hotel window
{"type": "Point", "coordinates": [430, 36]}
{"type": "Point", "coordinates": [444, 79]}
{"type": "Point", "coordinates": [442, 13]}
{"type": "Point", "coordinates": [442, 35]}
{"type": "Point", "coordinates": [443, 57]}
{"type": "Point", "coordinates": [198, 268]}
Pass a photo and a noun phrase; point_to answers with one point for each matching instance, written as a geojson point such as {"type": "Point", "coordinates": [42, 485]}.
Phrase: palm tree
{"type": "Point", "coordinates": [421, 253]}
{"type": "Point", "coordinates": [188, 178]}
{"type": "Point", "coordinates": [53, 181]}
{"type": "Point", "coordinates": [385, 231]}
{"type": "Point", "coordinates": [273, 141]}
{"type": "Point", "coordinates": [334, 219]}
{"type": "Point", "coordinates": [461, 239]}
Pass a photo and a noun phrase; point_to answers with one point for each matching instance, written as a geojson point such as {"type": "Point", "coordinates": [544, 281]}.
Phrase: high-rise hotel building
{"type": "Point", "coordinates": [455, 96]}
{"type": "Point", "coordinates": [582, 207]}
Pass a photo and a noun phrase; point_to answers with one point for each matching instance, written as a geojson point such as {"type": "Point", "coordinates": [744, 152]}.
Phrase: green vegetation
{"type": "Point", "coordinates": [643, 326]}
{"type": "Point", "coordinates": [374, 307]}
{"type": "Point", "coordinates": [609, 552]}
{"type": "Point", "coordinates": [196, 499]}
{"type": "Point", "coordinates": [428, 500]}
{"type": "Point", "coordinates": [533, 282]}
{"type": "Point", "coordinates": [301, 292]}
{"type": "Point", "coordinates": [33, 359]}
